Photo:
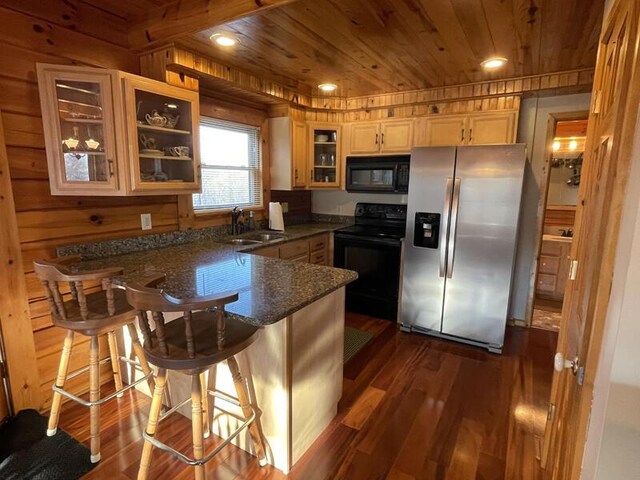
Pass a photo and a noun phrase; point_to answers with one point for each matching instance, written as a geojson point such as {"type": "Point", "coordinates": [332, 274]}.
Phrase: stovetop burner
{"type": "Point", "coordinates": [379, 220]}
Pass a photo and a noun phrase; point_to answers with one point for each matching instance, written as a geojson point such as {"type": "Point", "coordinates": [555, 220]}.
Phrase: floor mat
{"type": "Point", "coordinates": [27, 453]}
{"type": "Point", "coordinates": [354, 340]}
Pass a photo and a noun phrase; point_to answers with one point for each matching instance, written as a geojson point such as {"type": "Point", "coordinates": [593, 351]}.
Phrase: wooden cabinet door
{"type": "Point", "coordinates": [441, 131]}
{"type": "Point", "coordinates": [79, 128]}
{"type": "Point", "coordinates": [324, 158]}
{"type": "Point", "coordinates": [396, 137]}
{"type": "Point", "coordinates": [299, 153]}
{"type": "Point", "coordinates": [492, 128]}
{"type": "Point", "coordinates": [365, 138]}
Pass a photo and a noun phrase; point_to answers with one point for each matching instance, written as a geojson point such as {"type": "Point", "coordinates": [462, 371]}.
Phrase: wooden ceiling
{"type": "Point", "coordinates": [377, 46]}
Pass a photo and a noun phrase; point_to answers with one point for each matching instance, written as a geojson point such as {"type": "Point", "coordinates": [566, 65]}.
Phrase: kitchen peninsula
{"type": "Point", "coordinates": [295, 367]}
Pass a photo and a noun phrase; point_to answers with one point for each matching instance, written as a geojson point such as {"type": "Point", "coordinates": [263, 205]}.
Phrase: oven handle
{"type": "Point", "coordinates": [445, 227]}
{"type": "Point", "coordinates": [346, 237]}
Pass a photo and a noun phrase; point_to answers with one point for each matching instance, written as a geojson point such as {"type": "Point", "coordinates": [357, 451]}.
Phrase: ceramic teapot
{"type": "Point", "coordinates": [155, 119]}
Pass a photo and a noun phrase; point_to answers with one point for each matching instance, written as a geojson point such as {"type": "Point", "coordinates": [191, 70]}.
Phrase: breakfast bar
{"type": "Point", "coordinates": [294, 368]}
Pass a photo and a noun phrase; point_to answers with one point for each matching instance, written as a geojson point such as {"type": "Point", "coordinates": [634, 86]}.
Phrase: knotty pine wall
{"type": "Point", "coordinates": [62, 34]}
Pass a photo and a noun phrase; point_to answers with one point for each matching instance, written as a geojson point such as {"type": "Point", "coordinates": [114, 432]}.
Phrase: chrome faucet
{"type": "Point", "coordinates": [236, 213]}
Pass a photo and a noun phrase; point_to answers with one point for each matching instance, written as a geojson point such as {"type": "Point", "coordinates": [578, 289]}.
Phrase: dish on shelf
{"type": "Point", "coordinates": [152, 151]}
{"type": "Point", "coordinates": [321, 138]}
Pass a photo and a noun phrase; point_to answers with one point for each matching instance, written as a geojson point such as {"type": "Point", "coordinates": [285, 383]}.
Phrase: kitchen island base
{"type": "Point", "coordinates": [294, 377]}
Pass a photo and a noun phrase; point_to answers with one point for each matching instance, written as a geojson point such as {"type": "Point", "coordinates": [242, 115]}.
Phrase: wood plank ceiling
{"type": "Point", "coordinates": [381, 46]}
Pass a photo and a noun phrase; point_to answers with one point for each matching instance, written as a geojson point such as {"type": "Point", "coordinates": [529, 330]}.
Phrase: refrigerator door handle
{"type": "Point", "coordinates": [445, 227]}
{"type": "Point", "coordinates": [451, 247]}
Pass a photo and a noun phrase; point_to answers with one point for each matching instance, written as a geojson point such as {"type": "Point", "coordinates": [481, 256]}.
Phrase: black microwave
{"type": "Point", "coordinates": [380, 174]}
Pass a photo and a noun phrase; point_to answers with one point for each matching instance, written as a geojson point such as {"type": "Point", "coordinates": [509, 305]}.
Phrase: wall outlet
{"type": "Point", "coordinates": [285, 207]}
{"type": "Point", "coordinates": [145, 221]}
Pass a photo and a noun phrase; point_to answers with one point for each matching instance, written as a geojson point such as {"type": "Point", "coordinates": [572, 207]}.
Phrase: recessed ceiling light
{"type": "Point", "coordinates": [493, 63]}
{"type": "Point", "coordinates": [328, 87]}
{"type": "Point", "coordinates": [573, 145]}
{"type": "Point", "coordinates": [556, 146]}
{"type": "Point", "coordinates": [224, 39]}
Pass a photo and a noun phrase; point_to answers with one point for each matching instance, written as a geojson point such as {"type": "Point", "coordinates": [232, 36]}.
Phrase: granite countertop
{"type": "Point", "coordinates": [270, 289]}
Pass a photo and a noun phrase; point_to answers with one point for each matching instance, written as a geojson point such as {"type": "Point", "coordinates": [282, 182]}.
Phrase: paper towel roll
{"type": "Point", "coordinates": [276, 221]}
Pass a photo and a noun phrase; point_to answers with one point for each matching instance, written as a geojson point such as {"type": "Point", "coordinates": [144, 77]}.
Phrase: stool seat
{"type": "Point", "coordinates": [208, 351]}
{"type": "Point", "coordinates": [97, 320]}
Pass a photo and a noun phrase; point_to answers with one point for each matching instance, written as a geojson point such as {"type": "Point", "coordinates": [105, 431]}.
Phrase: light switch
{"type": "Point", "coordinates": [285, 207]}
{"type": "Point", "coordinates": [145, 221]}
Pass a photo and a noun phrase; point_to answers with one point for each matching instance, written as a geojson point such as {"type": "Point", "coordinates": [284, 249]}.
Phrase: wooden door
{"type": "Point", "coordinates": [365, 138]}
{"type": "Point", "coordinates": [396, 137]}
{"type": "Point", "coordinates": [441, 131]}
{"type": "Point", "coordinates": [491, 128]}
{"type": "Point", "coordinates": [612, 123]}
{"type": "Point", "coordinates": [299, 153]}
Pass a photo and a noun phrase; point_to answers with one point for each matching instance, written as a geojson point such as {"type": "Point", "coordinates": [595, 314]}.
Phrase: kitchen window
{"type": "Point", "coordinates": [231, 166]}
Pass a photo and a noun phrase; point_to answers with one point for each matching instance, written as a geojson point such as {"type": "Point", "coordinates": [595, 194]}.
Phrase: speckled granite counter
{"type": "Point", "coordinates": [270, 289]}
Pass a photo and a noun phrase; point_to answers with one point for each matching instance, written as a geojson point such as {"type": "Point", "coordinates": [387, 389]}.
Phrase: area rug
{"type": "Point", "coordinates": [546, 320]}
{"type": "Point", "coordinates": [27, 453]}
{"type": "Point", "coordinates": [354, 340]}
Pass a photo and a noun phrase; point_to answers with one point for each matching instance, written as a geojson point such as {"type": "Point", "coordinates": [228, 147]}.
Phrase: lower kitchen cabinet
{"type": "Point", "coordinates": [313, 250]}
{"type": "Point", "coordinates": [553, 269]}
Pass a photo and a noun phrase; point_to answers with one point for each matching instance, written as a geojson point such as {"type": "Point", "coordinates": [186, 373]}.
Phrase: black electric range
{"type": "Point", "coordinates": [372, 247]}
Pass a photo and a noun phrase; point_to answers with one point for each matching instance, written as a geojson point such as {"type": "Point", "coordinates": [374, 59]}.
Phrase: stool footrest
{"type": "Point", "coordinates": [193, 462]}
{"type": "Point", "coordinates": [85, 403]}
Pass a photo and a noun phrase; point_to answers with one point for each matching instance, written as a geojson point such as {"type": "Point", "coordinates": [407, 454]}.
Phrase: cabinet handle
{"type": "Point", "coordinates": [376, 138]}
{"type": "Point", "coordinates": [382, 139]}
{"type": "Point", "coordinates": [296, 174]}
{"type": "Point", "coordinates": [462, 135]}
{"type": "Point", "coordinates": [110, 163]}
{"type": "Point", "coordinates": [470, 134]}
{"type": "Point", "coordinates": [311, 175]}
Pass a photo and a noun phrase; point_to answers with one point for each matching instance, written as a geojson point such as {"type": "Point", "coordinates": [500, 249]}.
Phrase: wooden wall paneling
{"type": "Point", "coordinates": [26, 31]}
{"type": "Point", "coordinates": [15, 323]}
{"type": "Point", "coordinates": [77, 16]}
{"type": "Point", "coordinates": [95, 223]}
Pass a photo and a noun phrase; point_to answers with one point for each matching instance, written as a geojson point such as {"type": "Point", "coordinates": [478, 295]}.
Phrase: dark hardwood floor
{"type": "Point", "coordinates": [413, 408]}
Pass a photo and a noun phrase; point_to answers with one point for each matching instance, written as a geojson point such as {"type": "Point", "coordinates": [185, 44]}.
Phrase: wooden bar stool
{"type": "Point", "coordinates": [92, 315]}
{"type": "Point", "coordinates": [193, 343]}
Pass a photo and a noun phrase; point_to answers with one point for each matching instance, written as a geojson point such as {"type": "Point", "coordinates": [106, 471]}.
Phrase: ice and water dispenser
{"type": "Point", "coordinates": [426, 231]}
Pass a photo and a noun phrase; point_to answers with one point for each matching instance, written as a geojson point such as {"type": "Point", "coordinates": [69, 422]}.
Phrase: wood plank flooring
{"type": "Point", "coordinates": [413, 408]}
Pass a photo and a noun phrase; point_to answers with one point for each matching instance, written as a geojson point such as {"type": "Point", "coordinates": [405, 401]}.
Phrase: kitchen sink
{"type": "Point", "coordinates": [244, 241]}
{"type": "Point", "coordinates": [266, 237]}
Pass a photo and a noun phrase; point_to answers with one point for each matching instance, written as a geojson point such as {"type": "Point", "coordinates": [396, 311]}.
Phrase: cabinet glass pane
{"type": "Point", "coordinates": [325, 144]}
{"type": "Point", "coordinates": [82, 131]}
{"type": "Point", "coordinates": [165, 138]}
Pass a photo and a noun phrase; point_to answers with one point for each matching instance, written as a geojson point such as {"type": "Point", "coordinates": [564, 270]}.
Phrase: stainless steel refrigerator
{"type": "Point", "coordinates": [462, 223]}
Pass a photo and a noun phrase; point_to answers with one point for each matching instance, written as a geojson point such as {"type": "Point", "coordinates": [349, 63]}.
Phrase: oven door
{"type": "Point", "coordinates": [377, 261]}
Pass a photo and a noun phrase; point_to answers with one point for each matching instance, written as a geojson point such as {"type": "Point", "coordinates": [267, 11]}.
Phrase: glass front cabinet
{"type": "Point", "coordinates": [112, 133]}
{"type": "Point", "coordinates": [325, 157]}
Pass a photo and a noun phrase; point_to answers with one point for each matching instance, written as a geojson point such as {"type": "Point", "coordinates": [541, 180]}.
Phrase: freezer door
{"type": "Point", "coordinates": [482, 241]}
{"type": "Point", "coordinates": [424, 257]}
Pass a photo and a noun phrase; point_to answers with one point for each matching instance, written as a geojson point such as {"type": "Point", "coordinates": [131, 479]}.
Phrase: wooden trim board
{"type": "Point", "coordinates": [15, 322]}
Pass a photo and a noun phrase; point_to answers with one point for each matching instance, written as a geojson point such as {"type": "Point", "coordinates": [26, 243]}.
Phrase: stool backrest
{"type": "Point", "coordinates": [53, 273]}
{"type": "Point", "coordinates": [145, 296]}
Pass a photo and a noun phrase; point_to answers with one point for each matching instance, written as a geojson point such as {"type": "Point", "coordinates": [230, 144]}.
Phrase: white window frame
{"type": "Point", "coordinates": [255, 173]}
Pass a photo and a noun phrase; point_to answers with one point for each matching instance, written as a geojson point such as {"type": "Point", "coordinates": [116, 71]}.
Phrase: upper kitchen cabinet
{"type": "Point", "coordinates": [325, 161]}
{"type": "Point", "coordinates": [112, 133]}
{"type": "Point", "coordinates": [288, 153]}
{"type": "Point", "coordinates": [475, 129]}
{"type": "Point", "coordinates": [394, 136]}
{"type": "Point", "coordinates": [163, 148]}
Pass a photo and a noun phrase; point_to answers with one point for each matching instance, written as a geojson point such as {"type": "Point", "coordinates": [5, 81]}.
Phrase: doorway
{"type": "Point", "coordinates": [566, 135]}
